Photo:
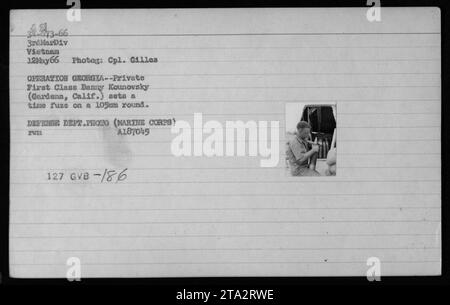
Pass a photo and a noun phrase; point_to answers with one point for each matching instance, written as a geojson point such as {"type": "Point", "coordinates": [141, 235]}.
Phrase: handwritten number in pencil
{"type": "Point", "coordinates": [111, 175]}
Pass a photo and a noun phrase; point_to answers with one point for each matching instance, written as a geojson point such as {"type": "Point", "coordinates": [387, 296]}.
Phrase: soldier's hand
{"type": "Point", "coordinates": [315, 148]}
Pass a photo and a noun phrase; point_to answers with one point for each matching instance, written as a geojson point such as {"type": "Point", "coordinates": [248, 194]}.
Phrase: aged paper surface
{"type": "Point", "coordinates": [164, 143]}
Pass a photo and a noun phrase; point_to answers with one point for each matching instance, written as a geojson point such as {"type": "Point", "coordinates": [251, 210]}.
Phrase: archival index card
{"type": "Point", "coordinates": [225, 142]}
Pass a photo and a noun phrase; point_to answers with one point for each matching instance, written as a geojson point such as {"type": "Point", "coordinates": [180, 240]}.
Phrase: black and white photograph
{"type": "Point", "coordinates": [311, 148]}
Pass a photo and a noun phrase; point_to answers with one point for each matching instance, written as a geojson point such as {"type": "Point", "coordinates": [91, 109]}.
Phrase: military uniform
{"type": "Point", "coordinates": [295, 150]}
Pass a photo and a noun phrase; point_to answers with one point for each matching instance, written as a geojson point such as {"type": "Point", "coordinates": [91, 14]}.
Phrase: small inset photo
{"type": "Point", "coordinates": [311, 139]}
